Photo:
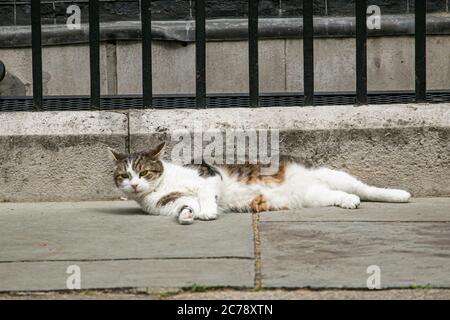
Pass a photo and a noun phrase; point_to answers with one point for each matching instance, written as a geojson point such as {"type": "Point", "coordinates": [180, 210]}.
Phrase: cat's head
{"type": "Point", "coordinates": [138, 172]}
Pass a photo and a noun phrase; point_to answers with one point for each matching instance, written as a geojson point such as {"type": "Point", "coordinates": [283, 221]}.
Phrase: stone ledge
{"type": "Point", "coordinates": [59, 155]}
{"type": "Point", "coordinates": [294, 118]}
{"type": "Point", "coordinates": [399, 146]}
{"type": "Point", "coordinates": [221, 29]}
{"type": "Point", "coordinates": [62, 156]}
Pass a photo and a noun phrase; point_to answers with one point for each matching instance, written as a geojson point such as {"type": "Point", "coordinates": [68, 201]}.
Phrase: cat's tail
{"type": "Point", "coordinates": [338, 180]}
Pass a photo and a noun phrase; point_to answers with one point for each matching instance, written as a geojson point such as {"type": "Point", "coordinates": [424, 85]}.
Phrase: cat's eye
{"type": "Point", "coordinates": [144, 173]}
{"type": "Point", "coordinates": [124, 176]}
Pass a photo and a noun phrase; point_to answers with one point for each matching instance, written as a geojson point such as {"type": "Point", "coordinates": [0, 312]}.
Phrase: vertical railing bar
{"type": "Point", "coordinates": [94, 53]}
{"type": "Point", "coordinates": [200, 53]}
{"type": "Point", "coordinates": [146, 29]}
{"type": "Point", "coordinates": [308, 53]}
{"type": "Point", "coordinates": [253, 53]}
{"type": "Point", "coordinates": [36, 53]}
{"type": "Point", "coordinates": [420, 50]}
{"type": "Point", "coordinates": [361, 51]}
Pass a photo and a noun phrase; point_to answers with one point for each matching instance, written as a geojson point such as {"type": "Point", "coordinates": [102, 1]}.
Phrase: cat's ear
{"type": "Point", "coordinates": [118, 156]}
{"type": "Point", "coordinates": [157, 152]}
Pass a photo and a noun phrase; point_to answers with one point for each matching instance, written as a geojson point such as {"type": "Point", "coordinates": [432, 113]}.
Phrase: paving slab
{"type": "Point", "coordinates": [306, 294]}
{"type": "Point", "coordinates": [419, 209]}
{"type": "Point", "coordinates": [234, 294]}
{"type": "Point", "coordinates": [152, 273]}
{"type": "Point", "coordinates": [410, 243]}
{"type": "Point", "coordinates": [117, 245]}
{"type": "Point", "coordinates": [59, 155]}
{"type": "Point", "coordinates": [115, 230]}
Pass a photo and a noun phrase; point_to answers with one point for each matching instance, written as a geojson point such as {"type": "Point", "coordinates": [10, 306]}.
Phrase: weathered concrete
{"type": "Point", "coordinates": [390, 66]}
{"type": "Point", "coordinates": [118, 246]}
{"type": "Point", "coordinates": [334, 25]}
{"type": "Point", "coordinates": [336, 251]}
{"type": "Point", "coordinates": [65, 69]}
{"type": "Point", "coordinates": [173, 67]}
{"type": "Point", "coordinates": [226, 67]}
{"type": "Point", "coordinates": [96, 231]}
{"type": "Point", "coordinates": [157, 273]}
{"type": "Point", "coordinates": [305, 294]}
{"type": "Point", "coordinates": [393, 146]}
{"type": "Point", "coordinates": [59, 155]}
{"type": "Point", "coordinates": [418, 210]}
{"type": "Point", "coordinates": [234, 294]}
{"type": "Point", "coordinates": [62, 156]}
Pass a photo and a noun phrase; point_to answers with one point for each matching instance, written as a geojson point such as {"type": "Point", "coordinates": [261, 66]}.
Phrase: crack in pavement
{"type": "Point", "coordinates": [257, 244]}
{"type": "Point", "coordinates": [129, 259]}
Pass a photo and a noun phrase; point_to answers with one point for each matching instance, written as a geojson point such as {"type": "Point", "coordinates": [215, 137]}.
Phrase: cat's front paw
{"type": "Point", "coordinates": [186, 216]}
{"type": "Point", "coordinates": [207, 216]}
{"type": "Point", "coordinates": [349, 201]}
{"type": "Point", "coordinates": [207, 212]}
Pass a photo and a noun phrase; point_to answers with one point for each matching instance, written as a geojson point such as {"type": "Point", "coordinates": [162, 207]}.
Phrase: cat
{"type": "Point", "coordinates": [203, 191]}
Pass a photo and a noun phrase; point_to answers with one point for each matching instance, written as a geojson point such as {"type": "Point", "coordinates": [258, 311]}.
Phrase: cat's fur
{"type": "Point", "coordinates": [204, 191]}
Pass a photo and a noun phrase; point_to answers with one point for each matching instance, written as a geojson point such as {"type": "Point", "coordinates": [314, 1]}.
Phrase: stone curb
{"type": "Point", "coordinates": [62, 156]}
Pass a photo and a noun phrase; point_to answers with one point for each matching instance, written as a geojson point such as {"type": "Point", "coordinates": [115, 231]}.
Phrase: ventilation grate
{"type": "Point", "coordinates": [54, 103]}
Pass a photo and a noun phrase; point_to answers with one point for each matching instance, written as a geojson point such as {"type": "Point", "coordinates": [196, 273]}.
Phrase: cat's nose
{"type": "Point", "coordinates": [134, 186]}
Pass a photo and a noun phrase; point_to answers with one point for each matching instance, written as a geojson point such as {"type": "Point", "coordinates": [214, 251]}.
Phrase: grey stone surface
{"type": "Point", "coordinates": [59, 155]}
{"type": "Point", "coordinates": [173, 67]}
{"type": "Point", "coordinates": [438, 63]}
{"type": "Point", "coordinates": [54, 12]}
{"type": "Point", "coordinates": [64, 69]}
{"type": "Point", "coordinates": [157, 273]}
{"type": "Point", "coordinates": [390, 66]}
{"type": "Point", "coordinates": [305, 294]}
{"type": "Point", "coordinates": [403, 146]}
{"type": "Point", "coordinates": [322, 253]}
{"type": "Point", "coordinates": [62, 156]}
{"type": "Point", "coordinates": [418, 210]}
{"type": "Point", "coordinates": [235, 294]}
{"type": "Point", "coordinates": [115, 230]}
{"type": "Point", "coordinates": [226, 67]}
{"type": "Point", "coordinates": [116, 245]}
{"type": "Point", "coordinates": [12, 86]}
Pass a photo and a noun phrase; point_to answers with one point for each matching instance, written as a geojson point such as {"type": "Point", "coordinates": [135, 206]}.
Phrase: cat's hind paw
{"type": "Point", "coordinates": [401, 196]}
{"type": "Point", "coordinates": [186, 216]}
{"type": "Point", "coordinates": [349, 201]}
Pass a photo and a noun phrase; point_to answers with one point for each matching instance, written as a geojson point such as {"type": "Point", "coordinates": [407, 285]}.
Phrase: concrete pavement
{"type": "Point", "coordinates": [116, 247]}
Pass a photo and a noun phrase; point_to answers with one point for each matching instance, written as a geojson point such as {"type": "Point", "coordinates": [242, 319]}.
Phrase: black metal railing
{"type": "Point", "coordinates": [308, 53]}
{"type": "Point", "coordinates": [94, 52]}
{"type": "Point", "coordinates": [36, 53]}
{"type": "Point", "coordinates": [146, 21]}
{"type": "Point", "coordinates": [361, 51]}
{"type": "Point", "coordinates": [2, 71]}
{"type": "Point", "coordinates": [254, 98]}
{"type": "Point", "coordinates": [420, 49]}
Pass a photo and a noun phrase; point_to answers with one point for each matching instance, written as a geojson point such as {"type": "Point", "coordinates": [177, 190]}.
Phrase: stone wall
{"type": "Point", "coordinates": [63, 156]}
{"type": "Point", "coordinates": [390, 66]}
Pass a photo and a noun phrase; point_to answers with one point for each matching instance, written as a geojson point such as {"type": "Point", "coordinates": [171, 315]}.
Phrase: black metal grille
{"type": "Point", "coordinates": [254, 98]}
{"type": "Point", "coordinates": [213, 101]}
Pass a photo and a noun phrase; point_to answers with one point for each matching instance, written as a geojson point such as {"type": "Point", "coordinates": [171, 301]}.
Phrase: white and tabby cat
{"type": "Point", "coordinates": [203, 191]}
